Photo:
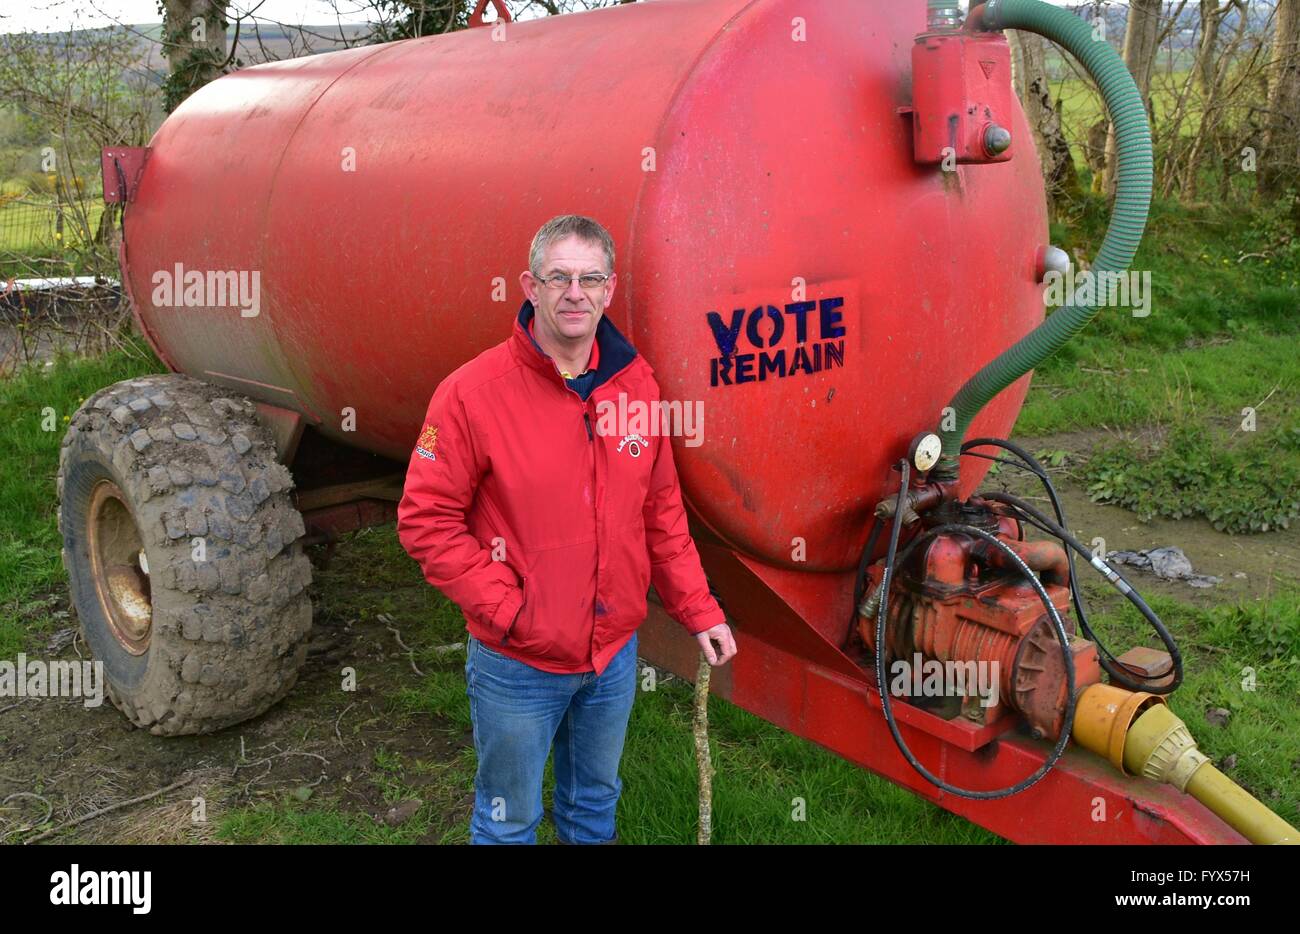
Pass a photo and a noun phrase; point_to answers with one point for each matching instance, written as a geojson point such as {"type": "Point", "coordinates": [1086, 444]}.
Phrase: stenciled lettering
{"type": "Point", "coordinates": [770, 342]}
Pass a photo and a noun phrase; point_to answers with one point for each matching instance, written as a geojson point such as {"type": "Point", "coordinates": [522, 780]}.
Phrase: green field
{"type": "Point", "coordinates": [31, 228]}
{"type": "Point", "coordinates": [1081, 107]}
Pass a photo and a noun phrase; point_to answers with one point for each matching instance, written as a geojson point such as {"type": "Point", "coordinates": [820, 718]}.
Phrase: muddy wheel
{"type": "Point", "coordinates": [183, 553]}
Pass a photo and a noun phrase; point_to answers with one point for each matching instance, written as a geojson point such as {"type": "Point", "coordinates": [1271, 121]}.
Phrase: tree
{"type": "Point", "coordinates": [407, 19]}
{"type": "Point", "coordinates": [1029, 74]}
{"type": "Point", "coordinates": [194, 41]}
{"type": "Point", "coordinates": [1280, 160]}
{"type": "Point", "coordinates": [1141, 39]}
{"type": "Point", "coordinates": [1207, 48]}
{"type": "Point", "coordinates": [80, 91]}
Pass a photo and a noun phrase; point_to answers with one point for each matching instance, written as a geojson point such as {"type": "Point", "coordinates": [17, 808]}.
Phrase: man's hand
{"type": "Point", "coordinates": [720, 634]}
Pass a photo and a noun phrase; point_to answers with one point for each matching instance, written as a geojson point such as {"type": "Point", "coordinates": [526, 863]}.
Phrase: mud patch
{"type": "Point", "coordinates": [1251, 566]}
{"type": "Point", "coordinates": [354, 753]}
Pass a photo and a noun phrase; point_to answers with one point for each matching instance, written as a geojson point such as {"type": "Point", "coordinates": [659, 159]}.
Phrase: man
{"type": "Point", "coordinates": [547, 533]}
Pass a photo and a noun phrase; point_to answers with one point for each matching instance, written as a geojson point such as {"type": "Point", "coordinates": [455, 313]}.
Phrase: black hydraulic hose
{"type": "Point", "coordinates": [1032, 464]}
{"type": "Point", "coordinates": [883, 615]}
{"type": "Point", "coordinates": [1107, 658]}
{"type": "Point", "coordinates": [1120, 672]}
{"type": "Point", "coordinates": [1119, 582]}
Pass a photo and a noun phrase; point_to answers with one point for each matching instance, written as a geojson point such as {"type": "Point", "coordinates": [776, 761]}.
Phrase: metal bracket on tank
{"type": "Point", "coordinates": [286, 427]}
{"type": "Point", "coordinates": [121, 167]}
{"type": "Point", "coordinates": [476, 18]}
{"type": "Point", "coordinates": [961, 98]}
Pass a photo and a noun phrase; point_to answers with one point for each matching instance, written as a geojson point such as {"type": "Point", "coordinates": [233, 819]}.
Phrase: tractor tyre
{"type": "Point", "coordinates": [183, 552]}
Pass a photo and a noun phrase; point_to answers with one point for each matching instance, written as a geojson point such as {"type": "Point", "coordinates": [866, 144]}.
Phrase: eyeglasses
{"type": "Point", "coordinates": [589, 282]}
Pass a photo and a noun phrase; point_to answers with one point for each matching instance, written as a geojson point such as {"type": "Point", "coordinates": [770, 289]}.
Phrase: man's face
{"type": "Point", "coordinates": [572, 313]}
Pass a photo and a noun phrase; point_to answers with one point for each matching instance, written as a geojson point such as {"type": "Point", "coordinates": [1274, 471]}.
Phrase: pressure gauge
{"type": "Point", "coordinates": [925, 451]}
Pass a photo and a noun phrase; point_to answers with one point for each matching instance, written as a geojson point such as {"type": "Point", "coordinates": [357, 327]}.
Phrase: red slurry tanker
{"type": "Point", "coordinates": [831, 227]}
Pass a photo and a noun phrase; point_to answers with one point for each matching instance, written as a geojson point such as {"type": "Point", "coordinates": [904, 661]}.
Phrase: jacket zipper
{"type": "Point", "coordinates": [586, 420]}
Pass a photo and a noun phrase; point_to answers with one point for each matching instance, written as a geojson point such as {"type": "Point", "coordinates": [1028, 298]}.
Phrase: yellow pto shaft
{"type": "Point", "coordinates": [1140, 735]}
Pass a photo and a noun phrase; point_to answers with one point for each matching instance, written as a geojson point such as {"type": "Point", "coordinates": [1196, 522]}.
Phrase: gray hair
{"type": "Point", "coordinates": [565, 226]}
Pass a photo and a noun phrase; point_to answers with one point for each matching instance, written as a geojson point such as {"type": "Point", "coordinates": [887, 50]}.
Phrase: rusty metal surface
{"type": "Point", "coordinates": [959, 599]}
{"type": "Point", "coordinates": [327, 523]}
{"type": "Point", "coordinates": [115, 549]}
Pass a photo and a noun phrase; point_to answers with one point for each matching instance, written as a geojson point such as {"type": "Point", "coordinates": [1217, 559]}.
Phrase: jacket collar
{"type": "Point", "coordinates": [595, 348]}
{"type": "Point", "coordinates": [614, 351]}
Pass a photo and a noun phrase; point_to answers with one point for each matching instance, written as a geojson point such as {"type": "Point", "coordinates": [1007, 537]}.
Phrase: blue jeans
{"type": "Point", "coordinates": [518, 713]}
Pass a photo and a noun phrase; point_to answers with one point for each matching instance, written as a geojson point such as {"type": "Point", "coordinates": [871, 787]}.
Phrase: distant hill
{"type": "Point", "coordinates": [260, 43]}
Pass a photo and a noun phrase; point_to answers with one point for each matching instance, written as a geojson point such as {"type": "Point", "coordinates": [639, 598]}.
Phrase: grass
{"type": "Point", "coordinates": [296, 818]}
{"type": "Point", "coordinates": [1197, 471]}
{"type": "Point", "coordinates": [1126, 385]}
{"type": "Point", "coordinates": [1213, 362]}
{"type": "Point", "coordinates": [284, 823]}
{"type": "Point", "coordinates": [1214, 271]}
{"type": "Point", "coordinates": [38, 403]}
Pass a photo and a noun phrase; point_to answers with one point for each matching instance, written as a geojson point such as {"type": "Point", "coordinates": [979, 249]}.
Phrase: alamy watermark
{"type": "Point", "coordinates": [1100, 288]}
{"type": "Point", "coordinates": [36, 678]}
{"type": "Point", "coordinates": [928, 677]}
{"type": "Point", "coordinates": [77, 886]}
{"type": "Point", "coordinates": [633, 420]}
{"type": "Point", "coordinates": [213, 288]}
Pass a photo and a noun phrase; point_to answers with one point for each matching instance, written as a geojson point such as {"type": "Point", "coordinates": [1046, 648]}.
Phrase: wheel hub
{"type": "Point", "coordinates": [119, 567]}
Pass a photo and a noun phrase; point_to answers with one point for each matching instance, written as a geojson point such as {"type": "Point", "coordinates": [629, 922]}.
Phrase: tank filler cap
{"type": "Point", "coordinates": [925, 450]}
{"type": "Point", "coordinates": [943, 15]}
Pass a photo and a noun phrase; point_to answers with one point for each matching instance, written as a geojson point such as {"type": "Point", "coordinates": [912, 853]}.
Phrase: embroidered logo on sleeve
{"type": "Point", "coordinates": [428, 441]}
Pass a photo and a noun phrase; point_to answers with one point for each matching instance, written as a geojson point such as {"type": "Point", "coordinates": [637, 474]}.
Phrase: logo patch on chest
{"type": "Point", "coordinates": [634, 443]}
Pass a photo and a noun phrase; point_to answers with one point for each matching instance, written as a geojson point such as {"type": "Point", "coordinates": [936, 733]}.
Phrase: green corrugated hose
{"type": "Point", "coordinates": [1128, 219]}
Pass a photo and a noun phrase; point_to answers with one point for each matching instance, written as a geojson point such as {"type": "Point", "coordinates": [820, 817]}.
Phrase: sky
{"type": "Point", "coordinates": [51, 15]}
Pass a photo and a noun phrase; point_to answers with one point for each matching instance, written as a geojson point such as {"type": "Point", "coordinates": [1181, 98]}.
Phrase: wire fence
{"type": "Point", "coordinates": [58, 277]}
{"type": "Point", "coordinates": [48, 233]}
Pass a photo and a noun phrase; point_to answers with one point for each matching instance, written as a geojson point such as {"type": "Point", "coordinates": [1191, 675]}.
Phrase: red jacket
{"type": "Point", "coordinates": [544, 531]}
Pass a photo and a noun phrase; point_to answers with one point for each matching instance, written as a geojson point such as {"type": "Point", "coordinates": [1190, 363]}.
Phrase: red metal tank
{"type": "Point", "coordinates": [744, 154]}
